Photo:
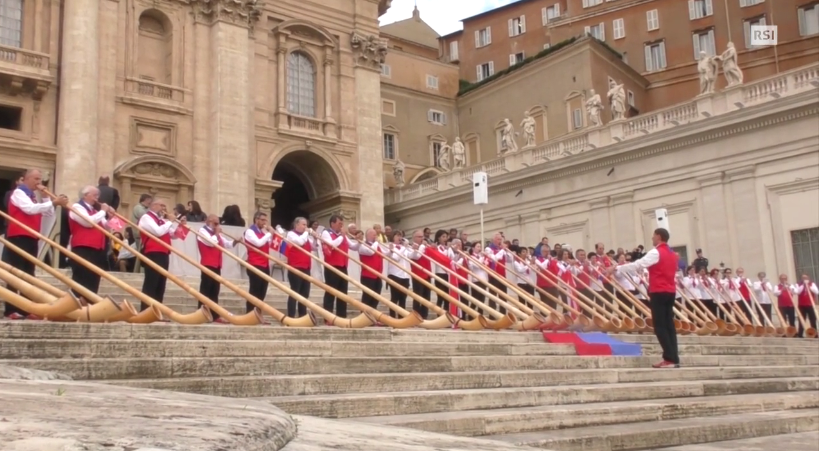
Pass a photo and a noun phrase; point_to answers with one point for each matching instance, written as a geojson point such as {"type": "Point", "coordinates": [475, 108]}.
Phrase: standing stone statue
{"type": "Point", "coordinates": [508, 137]}
{"type": "Point", "coordinates": [443, 157]}
{"type": "Point", "coordinates": [708, 69]}
{"type": "Point", "coordinates": [730, 66]}
{"type": "Point", "coordinates": [398, 173]}
{"type": "Point", "coordinates": [594, 106]}
{"type": "Point", "coordinates": [458, 153]}
{"type": "Point", "coordinates": [617, 101]}
{"type": "Point", "coordinates": [528, 125]}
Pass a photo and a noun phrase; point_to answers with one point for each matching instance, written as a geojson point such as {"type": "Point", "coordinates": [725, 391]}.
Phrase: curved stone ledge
{"type": "Point", "coordinates": [12, 372]}
{"type": "Point", "coordinates": [66, 415]}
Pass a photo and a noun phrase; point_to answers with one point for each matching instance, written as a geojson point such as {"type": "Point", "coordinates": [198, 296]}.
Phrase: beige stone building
{"type": "Point", "coordinates": [262, 104]}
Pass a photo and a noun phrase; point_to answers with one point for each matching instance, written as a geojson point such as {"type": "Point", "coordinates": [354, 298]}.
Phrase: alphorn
{"type": "Point", "coordinates": [640, 324]}
{"type": "Point", "coordinates": [813, 303]}
{"type": "Point", "coordinates": [63, 306]}
{"type": "Point", "coordinates": [730, 307]}
{"type": "Point", "coordinates": [441, 322]}
{"type": "Point", "coordinates": [150, 315]}
{"type": "Point", "coordinates": [686, 327]}
{"type": "Point", "coordinates": [781, 331]}
{"type": "Point", "coordinates": [634, 323]}
{"type": "Point", "coordinates": [810, 332]}
{"type": "Point", "coordinates": [723, 328]}
{"type": "Point", "coordinates": [790, 330]}
{"type": "Point", "coordinates": [728, 328]}
{"type": "Point", "coordinates": [716, 296]}
{"type": "Point", "coordinates": [707, 327]}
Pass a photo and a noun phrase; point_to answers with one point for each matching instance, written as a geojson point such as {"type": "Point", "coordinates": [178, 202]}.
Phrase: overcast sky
{"type": "Point", "coordinates": [444, 16]}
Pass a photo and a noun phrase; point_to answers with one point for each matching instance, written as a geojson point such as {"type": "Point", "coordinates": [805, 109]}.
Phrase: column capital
{"type": "Point", "coordinates": [243, 13]}
{"type": "Point", "coordinates": [369, 51]}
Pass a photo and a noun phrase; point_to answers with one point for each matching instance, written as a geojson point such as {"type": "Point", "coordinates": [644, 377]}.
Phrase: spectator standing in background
{"type": "Point", "coordinates": [700, 262]}
{"type": "Point", "coordinates": [108, 195]}
{"type": "Point", "coordinates": [195, 213]}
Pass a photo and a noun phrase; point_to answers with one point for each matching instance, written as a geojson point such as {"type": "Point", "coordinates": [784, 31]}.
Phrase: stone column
{"type": "Point", "coordinates": [106, 128]}
{"type": "Point", "coordinates": [717, 244]}
{"type": "Point", "coordinates": [77, 129]}
{"type": "Point", "coordinates": [330, 128]}
{"type": "Point", "coordinates": [203, 167]}
{"type": "Point", "coordinates": [281, 83]}
{"type": "Point", "coordinates": [747, 219]}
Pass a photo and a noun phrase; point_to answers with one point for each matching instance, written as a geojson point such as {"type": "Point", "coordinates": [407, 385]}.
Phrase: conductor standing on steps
{"type": "Point", "coordinates": [662, 268]}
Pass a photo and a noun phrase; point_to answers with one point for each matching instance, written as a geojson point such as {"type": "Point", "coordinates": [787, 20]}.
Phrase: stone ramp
{"type": "Point", "coordinates": [509, 388]}
{"type": "Point", "coordinates": [804, 441]}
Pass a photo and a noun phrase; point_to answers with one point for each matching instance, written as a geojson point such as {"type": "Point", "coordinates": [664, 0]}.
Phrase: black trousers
{"type": "Point", "coordinates": [154, 284]}
{"type": "Point", "coordinates": [296, 309]}
{"type": "Point", "coordinates": [439, 284]}
{"type": "Point", "coordinates": [397, 296]}
{"type": "Point", "coordinates": [257, 286]}
{"type": "Point", "coordinates": [209, 287]}
{"type": "Point", "coordinates": [28, 245]}
{"type": "Point", "coordinates": [810, 318]}
{"type": "Point", "coordinates": [464, 287]}
{"type": "Point", "coordinates": [548, 300]}
{"type": "Point", "coordinates": [478, 296]}
{"type": "Point", "coordinates": [84, 276]}
{"type": "Point", "coordinates": [530, 289]}
{"type": "Point", "coordinates": [710, 306]}
{"type": "Point", "coordinates": [586, 293]}
{"type": "Point", "coordinates": [662, 311]}
{"type": "Point", "coordinates": [423, 292]}
{"type": "Point", "coordinates": [790, 315]}
{"type": "Point", "coordinates": [765, 311]}
{"type": "Point", "coordinates": [331, 303]}
{"type": "Point", "coordinates": [501, 288]}
{"type": "Point", "coordinates": [375, 285]}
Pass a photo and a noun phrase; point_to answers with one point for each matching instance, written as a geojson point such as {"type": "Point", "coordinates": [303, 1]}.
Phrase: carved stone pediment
{"type": "Point", "coordinates": [370, 51]}
{"type": "Point", "coordinates": [239, 12]}
{"type": "Point", "coordinates": [159, 170]}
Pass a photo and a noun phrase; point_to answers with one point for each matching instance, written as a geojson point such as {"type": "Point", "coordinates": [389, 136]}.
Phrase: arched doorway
{"type": "Point", "coordinates": [306, 179]}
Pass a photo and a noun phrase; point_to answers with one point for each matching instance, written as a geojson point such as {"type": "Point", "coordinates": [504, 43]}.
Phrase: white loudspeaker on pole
{"type": "Point", "coordinates": [662, 218]}
{"type": "Point", "coordinates": [480, 192]}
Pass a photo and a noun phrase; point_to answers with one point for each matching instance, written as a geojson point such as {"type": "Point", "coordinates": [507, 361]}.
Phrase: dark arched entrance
{"type": "Point", "coordinates": [288, 199]}
{"type": "Point", "coordinates": [306, 178]}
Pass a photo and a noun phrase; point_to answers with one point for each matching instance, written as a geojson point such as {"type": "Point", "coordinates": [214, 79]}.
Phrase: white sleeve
{"type": "Point", "coordinates": [251, 238]}
{"type": "Point", "coordinates": [797, 289]}
{"type": "Point", "coordinates": [325, 236]}
{"type": "Point", "coordinates": [227, 243]}
{"type": "Point", "coordinates": [297, 239]}
{"type": "Point", "coordinates": [80, 215]}
{"type": "Point", "coordinates": [814, 289]}
{"type": "Point", "coordinates": [29, 207]}
{"type": "Point", "coordinates": [206, 238]}
{"type": "Point", "coordinates": [650, 259]}
{"type": "Point", "coordinates": [776, 290]}
{"type": "Point", "coordinates": [496, 256]}
{"type": "Point", "coordinates": [365, 249]}
{"type": "Point", "coordinates": [355, 245]}
{"type": "Point", "coordinates": [757, 286]}
{"type": "Point", "coordinates": [542, 265]}
{"type": "Point", "coordinates": [147, 224]}
{"type": "Point", "coordinates": [416, 254]}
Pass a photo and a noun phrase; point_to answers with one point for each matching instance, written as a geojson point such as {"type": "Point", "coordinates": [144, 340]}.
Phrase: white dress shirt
{"type": "Point", "coordinates": [253, 239]}
{"type": "Point", "coordinates": [731, 286]}
{"type": "Point", "coordinates": [693, 287]}
{"type": "Point", "coordinates": [80, 215]}
{"type": "Point", "coordinates": [480, 274]}
{"type": "Point", "coordinates": [21, 200]}
{"type": "Point", "coordinates": [710, 291]}
{"type": "Point", "coordinates": [651, 258]}
{"type": "Point", "coordinates": [523, 273]}
{"type": "Point", "coordinates": [416, 254]}
{"type": "Point", "coordinates": [399, 255]}
{"type": "Point", "coordinates": [371, 248]}
{"type": "Point", "coordinates": [298, 239]}
{"type": "Point", "coordinates": [209, 239]}
{"type": "Point", "coordinates": [763, 291]}
{"type": "Point", "coordinates": [148, 224]}
{"type": "Point", "coordinates": [446, 250]}
{"type": "Point", "coordinates": [801, 287]}
{"type": "Point", "coordinates": [327, 238]}
{"type": "Point", "coordinates": [791, 288]}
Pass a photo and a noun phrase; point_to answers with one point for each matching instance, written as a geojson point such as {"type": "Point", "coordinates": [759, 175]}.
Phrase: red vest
{"type": "Point", "coordinates": [543, 281]}
{"type": "Point", "coordinates": [255, 258]}
{"type": "Point", "coordinates": [785, 296]}
{"type": "Point", "coordinates": [82, 236]}
{"type": "Point", "coordinates": [500, 265]}
{"type": "Point", "coordinates": [210, 256]}
{"type": "Point", "coordinates": [150, 243]}
{"type": "Point", "coordinates": [661, 276]}
{"type": "Point", "coordinates": [461, 271]}
{"type": "Point", "coordinates": [32, 221]}
{"type": "Point", "coordinates": [585, 277]}
{"type": "Point", "coordinates": [297, 258]}
{"type": "Point", "coordinates": [804, 296]}
{"type": "Point", "coordinates": [743, 289]}
{"type": "Point", "coordinates": [374, 262]}
{"type": "Point", "coordinates": [423, 262]}
{"type": "Point", "coordinates": [334, 258]}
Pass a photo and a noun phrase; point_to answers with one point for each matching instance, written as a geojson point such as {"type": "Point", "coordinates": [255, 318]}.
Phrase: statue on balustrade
{"type": "Point", "coordinates": [730, 66]}
{"type": "Point", "coordinates": [508, 143]}
{"type": "Point", "coordinates": [443, 157]}
{"type": "Point", "coordinates": [708, 69]}
{"type": "Point", "coordinates": [398, 173]}
{"type": "Point", "coordinates": [458, 153]}
{"type": "Point", "coordinates": [528, 125]}
{"type": "Point", "coordinates": [594, 106]}
{"type": "Point", "coordinates": [617, 101]}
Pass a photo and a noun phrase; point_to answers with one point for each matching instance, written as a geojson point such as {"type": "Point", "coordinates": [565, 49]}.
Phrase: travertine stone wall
{"type": "Point", "coordinates": [368, 130]}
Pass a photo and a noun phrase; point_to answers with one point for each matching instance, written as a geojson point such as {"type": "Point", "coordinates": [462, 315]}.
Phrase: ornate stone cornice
{"type": "Point", "coordinates": [370, 51]}
{"type": "Point", "coordinates": [244, 13]}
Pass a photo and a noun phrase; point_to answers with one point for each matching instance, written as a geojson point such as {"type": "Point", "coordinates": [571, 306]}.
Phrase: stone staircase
{"type": "Point", "coordinates": [506, 388]}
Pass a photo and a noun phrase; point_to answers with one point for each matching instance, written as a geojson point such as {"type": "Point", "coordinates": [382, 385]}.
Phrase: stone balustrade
{"type": "Point", "coordinates": [22, 57]}
{"type": "Point", "coordinates": [586, 140]}
{"type": "Point", "coordinates": [156, 90]}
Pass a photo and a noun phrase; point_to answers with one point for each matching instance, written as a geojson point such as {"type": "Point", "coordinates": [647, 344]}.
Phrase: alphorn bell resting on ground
{"type": "Point", "coordinates": [86, 240]}
{"type": "Point", "coordinates": [210, 256]}
{"type": "Point", "coordinates": [306, 238]}
{"type": "Point", "coordinates": [260, 236]}
{"type": "Point", "coordinates": [334, 238]}
{"type": "Point", "coordinates": [156, 225]}
{"type": "Point", "coordinates": [661, 263]}
{"type": "Point", "coordinates": [23, 207]}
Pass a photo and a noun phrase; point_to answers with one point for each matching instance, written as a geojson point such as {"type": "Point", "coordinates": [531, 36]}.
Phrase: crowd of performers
{"type": "Point", "coordinates": [446, 268]}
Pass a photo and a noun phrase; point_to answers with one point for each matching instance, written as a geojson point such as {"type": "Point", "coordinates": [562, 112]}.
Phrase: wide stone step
{"type": "Point", "coordinates": [800, 441]}
{"type": "Point", "coordinates": [653, 434]}
{"type": "Point", "coordinates": [435, 406]}
{"type": "Point", "coordinates": [634, 410]}
{"type": "Point", "coordinates": [366, 384]}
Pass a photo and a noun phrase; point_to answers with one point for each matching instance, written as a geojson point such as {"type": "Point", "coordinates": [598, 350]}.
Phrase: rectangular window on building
{"type": "Point", "coordinates": [432, 82]}
{"type": "Point", "coordinates": [436, 152]}
{"type": "Point", "coordinates": [436, 117]}
{"type": "Point", "coordinates": [619, 28]}
{"type": "Point", "coordinates": [590, 3]}
{"type": "Point", "coordinates": [805, 244]}
{"type": "Point", "coordinates": [485, 70]}
{"type": "Point", "coordinates": [809, 20]}
{"type": "Point", "coordinates": [746, 28]}
{"type": "Point", "coordinates": [577, 118]}
{"type": "Point", "coordinates": [704, 42]}
{"type": "Point", "coordinates": [631, 98]}
{"type": "Point", "coordinates": [453, 51]}
{"type": "Point", "coordinates": [389, 146]}
{"type": "Point", "coordinates": [697, 9]}
{"type": "Point", "coordinates": [744, 3]}
{"type": "Point", "coordinates": [386, 70]}
{"type": "Point", "coordinates": [388, 107]}
{"type": "Point", "coordinates": [598, 31]}
{"type": "Point", "coordinates": [483, 37]}
{"type": "Point", "coordinates": [655, 56]}
{"type": "Point", "coordinates": [653, 20]}
{"type": "Point", "coordinates": [550, 13]}
{"type": "Point", "coordinates": [515, 58]}
{"type": "Point", "coordinates": [11, 22]}
{"type": "Point", "coordinates": [11, 117]}
{"type": "Point", "coordinates": [517, 26]}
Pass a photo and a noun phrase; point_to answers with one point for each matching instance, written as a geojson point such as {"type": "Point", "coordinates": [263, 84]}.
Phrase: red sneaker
{"type": "Point", "coordinates": [221, 320]}
{"type": "Point", "coordinates": [666, 364]}
{"type": "Point", "coordinates": [15, 316]}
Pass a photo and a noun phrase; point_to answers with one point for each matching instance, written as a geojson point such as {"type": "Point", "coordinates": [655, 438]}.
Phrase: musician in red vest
{"type": "Point", "coordinates": [498, 251]}
{"type": "Point", "coordinates": [87, 241]}
{"type": "Point", "coordinates": [210, 256]}
{"type": "Point", "coordinates": [584, 274]}
{"type": "Point", "coordinates": [661, 263]}
{"type": "Point", "coordinates": [156, 226]}
{"type": "Point", "coordinates": [259, 236]}
{"type": "Point", "coordinates": [547, 282]}
{"type": "Point", "coordinates": [784, 294]}
{"type": "Point", "coordinates": [372, 264]}
{"type": "Point", "coordinates": [24, 208]}
{"type": "Point", "coordinates": [421, 270]}
{"type": "Point", "coordinates": [806, 293]}
{"type": "Point", "coordinates": [302, 237]}
{"type": "Point", "coordinates": [336, 245]}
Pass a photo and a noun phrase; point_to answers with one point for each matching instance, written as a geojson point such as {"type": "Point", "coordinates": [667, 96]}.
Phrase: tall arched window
{"type": "Point", "coordinates": [301, 85]}
{"type": "Point", "coordinates": [155, 47]}
{"type": "Point", "coordinates": [11, 22]}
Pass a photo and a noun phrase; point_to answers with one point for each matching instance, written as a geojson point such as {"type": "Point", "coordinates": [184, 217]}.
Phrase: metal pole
{"type": "Point", "coordinates": [483, 239]}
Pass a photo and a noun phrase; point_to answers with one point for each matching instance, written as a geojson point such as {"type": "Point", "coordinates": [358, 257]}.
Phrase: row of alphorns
{"type": "Point", "coordinates": [618, 311]}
